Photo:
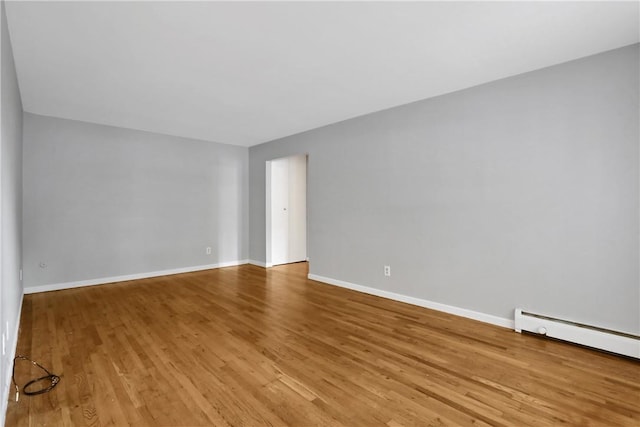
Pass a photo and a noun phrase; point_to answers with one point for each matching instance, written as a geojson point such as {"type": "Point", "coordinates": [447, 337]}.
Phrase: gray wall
{"type": "Point", "coordinates": [102, 201]}
{"type": "Point", "coordinates": [11, 205]}
{"type": "Point", "coordinates": [521, 192]}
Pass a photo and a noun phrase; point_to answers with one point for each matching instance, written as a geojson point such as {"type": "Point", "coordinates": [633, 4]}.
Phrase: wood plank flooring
{"type": "Point", "coordinates": [245, 346]}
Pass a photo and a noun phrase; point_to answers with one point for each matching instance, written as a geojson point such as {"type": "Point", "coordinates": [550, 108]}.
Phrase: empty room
{"type": "Point", "coordinates": [320, 213]}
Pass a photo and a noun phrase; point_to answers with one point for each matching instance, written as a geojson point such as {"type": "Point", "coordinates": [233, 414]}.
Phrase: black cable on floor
{"type": "Point", "coordinates": [51, 379]}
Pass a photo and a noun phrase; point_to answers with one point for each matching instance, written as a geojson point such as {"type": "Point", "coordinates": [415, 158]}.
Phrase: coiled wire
{"type": "Point", "coordinates": [52, 379]}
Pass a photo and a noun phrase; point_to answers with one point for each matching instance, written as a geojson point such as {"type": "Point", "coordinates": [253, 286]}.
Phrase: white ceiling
{"type": "Point", "coordinates": [248, 72]}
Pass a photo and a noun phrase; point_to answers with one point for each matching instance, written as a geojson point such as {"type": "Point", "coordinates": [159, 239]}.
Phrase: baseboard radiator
{"type": "Point", "coordinates": [590, 336]}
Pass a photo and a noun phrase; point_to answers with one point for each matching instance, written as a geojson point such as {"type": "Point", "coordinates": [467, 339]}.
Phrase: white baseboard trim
{"type": "Point", "coordinates": [258, 263]}
{"type": "Point", "coordinates": [12, 346]}
{"type": "Point", "coordinates": [470, 314]}
{"type": "Point", "coordinates": [114, 279]}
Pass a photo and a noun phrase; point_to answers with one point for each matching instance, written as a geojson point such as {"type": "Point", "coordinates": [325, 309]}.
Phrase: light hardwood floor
{"type": "Point", "coordinates": [244, 346]}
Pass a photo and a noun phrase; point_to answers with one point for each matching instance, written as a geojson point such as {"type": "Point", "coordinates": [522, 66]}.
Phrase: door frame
{"type": "Point", "coordinates": [268, 218]}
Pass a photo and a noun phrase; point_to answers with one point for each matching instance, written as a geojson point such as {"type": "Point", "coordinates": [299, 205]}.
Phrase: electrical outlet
{"type": "Point", "coordinates": [21, 275]}
{"type": "Point", "coordinates": [387, 270]}
{"type": "Point", "coordinates": [5, 337]}
{"type": "Point", "coordinates": [208, 250]}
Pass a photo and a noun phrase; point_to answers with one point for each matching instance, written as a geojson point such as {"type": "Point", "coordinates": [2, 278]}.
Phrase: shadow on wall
{"type": "Point", "coordinates": [228, 195]}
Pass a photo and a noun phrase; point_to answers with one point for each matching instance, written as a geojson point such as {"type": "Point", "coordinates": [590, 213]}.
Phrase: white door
{"type": "Point", "coordinates": [297, 208]}
{"type": "Point", "coordinates": [287, 210]}
{"type": "Point", "coordinates": [279, 213]}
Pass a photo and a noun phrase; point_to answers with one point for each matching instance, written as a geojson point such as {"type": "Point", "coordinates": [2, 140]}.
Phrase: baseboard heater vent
{"type": "Point", "coordinates": [590, 336]}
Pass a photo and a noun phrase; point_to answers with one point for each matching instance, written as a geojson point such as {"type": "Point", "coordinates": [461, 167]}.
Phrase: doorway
{"type": "Point", "coordinates": [286, 210]}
